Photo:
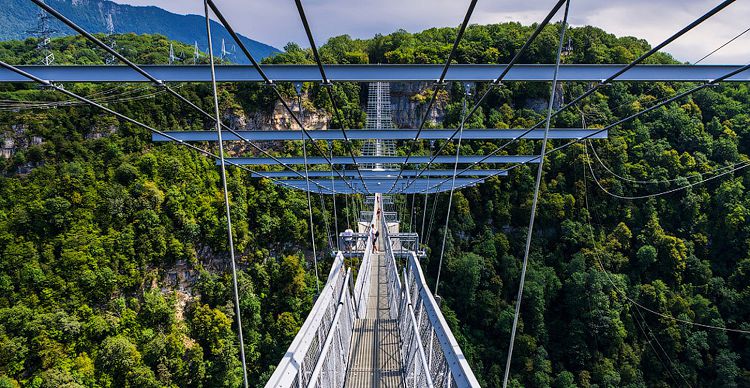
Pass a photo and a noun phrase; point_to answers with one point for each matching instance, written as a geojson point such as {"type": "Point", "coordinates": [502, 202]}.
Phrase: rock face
{"type": "Point", "coordinates": [408, 103]}
{"type": "Point", "coordinates": [406, 108]}
{"type": "Point", "coordinates": [278, 119]}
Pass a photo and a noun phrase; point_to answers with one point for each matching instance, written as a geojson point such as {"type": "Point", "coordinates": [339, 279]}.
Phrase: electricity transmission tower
{"type": "Point", "coordinates": [110, 59]}
{"type": "Point", "coordinates": [43, 31]}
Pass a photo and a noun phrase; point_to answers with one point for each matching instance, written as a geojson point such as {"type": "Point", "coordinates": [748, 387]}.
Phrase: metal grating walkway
{"type": "Point", "coordinates": [375, 349]}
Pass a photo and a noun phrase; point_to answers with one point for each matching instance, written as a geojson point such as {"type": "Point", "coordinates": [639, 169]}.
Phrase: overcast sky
{"type": "Point", "coordinates": [276, 22]}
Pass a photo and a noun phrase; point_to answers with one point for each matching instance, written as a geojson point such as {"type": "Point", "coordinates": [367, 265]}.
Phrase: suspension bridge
{"type": "Point", "coordinates": [375, 321]}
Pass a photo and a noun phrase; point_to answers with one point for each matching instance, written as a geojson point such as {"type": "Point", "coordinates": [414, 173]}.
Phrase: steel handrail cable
{"type": "Point", "coordinates": [607, 81]}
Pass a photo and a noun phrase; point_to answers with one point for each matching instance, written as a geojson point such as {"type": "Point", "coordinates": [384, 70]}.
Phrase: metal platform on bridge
{"type": "Point", "coordinates": [375, 355]}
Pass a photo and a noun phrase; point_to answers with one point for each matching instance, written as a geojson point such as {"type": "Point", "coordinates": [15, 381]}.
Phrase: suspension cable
{"type": "Point", "coordinates": [439, 84]}
{"type": "Point", "coordinates": [47, 83]}
{"type": "Point", "coordinates": [601, 84]}
{"type": "Point", "coordinates": [467, 91]}
{"type": "Point", "coordinates": [325, 220]}
{"type": "Point", "coordinates": [329, 88]}
{"type": "Point", "coordinates": [279, 97]}
{"type": "Point", "coordinates": [497, 82]}
{"type": "Point", "coordinates": [674, 98]}
{"type": "Point", "coordinates": [309, 210]}
{"type": "Point", "coordinates": [335, 211]}
{"type": "Point", "coordinates": [426, 194]}
{"type": "Point", "coordinates": [537, 184]}
{"type": "Point", "coordinates": [154, 80]}
{"type": "Point", "coordinates": [226, 197]}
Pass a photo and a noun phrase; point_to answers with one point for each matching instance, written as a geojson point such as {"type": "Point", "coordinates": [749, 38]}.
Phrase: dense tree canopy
{"type": "Point", "coordinates": [91, 235]}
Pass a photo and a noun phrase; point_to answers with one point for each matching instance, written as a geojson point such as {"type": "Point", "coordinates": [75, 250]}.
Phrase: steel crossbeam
{"type": "Point", "coordinates": [345, 160]}
{"type": "Point", "coordinates": [382, 174]}
{"type": "Point", "coordinates": [381, 134]}
{"type": "Point", "coordinates": [373, 73]}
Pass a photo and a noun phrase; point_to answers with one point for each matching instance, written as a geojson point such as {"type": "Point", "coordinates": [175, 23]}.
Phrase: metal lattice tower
{"type": "Point", "coordinates": [44, 31]}
{"type": "Point", "coordinates": [379, 117]}
{"type": "Point", "coordinates": [110, 59]}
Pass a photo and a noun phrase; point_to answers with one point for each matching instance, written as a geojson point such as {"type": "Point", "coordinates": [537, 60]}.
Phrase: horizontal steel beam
{"type": "Point", "coordinates": [370, 73]}
{"type": "Point", "coordinates": [378, 185]}
{"type": "Point", "coordinates": [379, 174]}
{"type": "Point", "coordinates": [381, 134]}
{"type": "Point", "coordinates": [360, 160]}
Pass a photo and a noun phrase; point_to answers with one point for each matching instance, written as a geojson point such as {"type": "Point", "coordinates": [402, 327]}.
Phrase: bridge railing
{"type": "Point", "coordinates": [299, 362]}
{"type": "Point", "coordinates": [430, 353]}
{"type": "Point", "coordinates": [362, 285]}
{"type": "Point", "coordinates": [389, 216]}
{"type": "Point", "coordinates": [448, 365]}
{"type": "Point", "coordinates": [330, 370]}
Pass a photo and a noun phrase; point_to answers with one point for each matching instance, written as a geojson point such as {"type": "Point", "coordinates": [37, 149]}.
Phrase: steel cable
{"type": "Point", "coordinates": [226, 197]}
{"type": "Point", "coordinates": [537, 184]}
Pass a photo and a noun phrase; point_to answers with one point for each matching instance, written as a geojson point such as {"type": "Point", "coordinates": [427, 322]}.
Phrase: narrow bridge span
{"type": "Point", "coordinates": [380, 327]}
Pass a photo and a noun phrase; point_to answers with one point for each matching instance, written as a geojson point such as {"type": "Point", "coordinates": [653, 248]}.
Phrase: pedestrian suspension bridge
{"type": "Point", "coordinates": [376, 324]}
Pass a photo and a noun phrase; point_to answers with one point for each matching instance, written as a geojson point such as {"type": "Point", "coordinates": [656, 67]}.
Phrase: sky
{"type": "Point", "coordinates": [276, 22]}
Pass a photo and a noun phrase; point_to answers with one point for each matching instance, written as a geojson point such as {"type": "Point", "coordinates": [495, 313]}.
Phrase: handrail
{"type": "Point", "coordinates": [362, 284]}
{"type": "Point", "coordinates": [291, 368]}
{"type": "Point", "coordinates": [417, 335]}
{"type": "Point", "coordinates": [460, 371]}
{"type": "Point", "coordinates": [331, 335]}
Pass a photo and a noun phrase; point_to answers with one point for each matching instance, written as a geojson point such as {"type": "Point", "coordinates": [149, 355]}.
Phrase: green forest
{"type": "Point", "coordinates": [95, 219]}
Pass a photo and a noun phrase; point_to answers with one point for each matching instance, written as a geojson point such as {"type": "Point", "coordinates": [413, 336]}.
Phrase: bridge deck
{"type": "Point", "coordinates": [376, 359]}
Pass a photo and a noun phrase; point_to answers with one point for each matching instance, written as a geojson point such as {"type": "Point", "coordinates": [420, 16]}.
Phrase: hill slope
{"type": "Point", "coordinates": [20, 16]}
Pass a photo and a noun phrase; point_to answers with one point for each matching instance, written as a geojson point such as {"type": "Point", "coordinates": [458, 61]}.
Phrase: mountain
{"type": "Point", "coordinates": [19, 18]}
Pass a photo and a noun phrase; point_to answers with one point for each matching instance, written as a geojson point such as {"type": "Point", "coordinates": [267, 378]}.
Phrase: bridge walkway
{"type": "Point", "coordinates": [375, 348]}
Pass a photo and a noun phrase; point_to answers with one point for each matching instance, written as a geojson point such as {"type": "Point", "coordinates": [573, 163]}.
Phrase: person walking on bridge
{"type": "Point", "coordinates": [374, 235]}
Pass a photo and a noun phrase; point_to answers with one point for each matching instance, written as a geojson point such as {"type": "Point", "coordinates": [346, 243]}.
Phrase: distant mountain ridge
{"type": "Point", "coordinates": [18, 17]}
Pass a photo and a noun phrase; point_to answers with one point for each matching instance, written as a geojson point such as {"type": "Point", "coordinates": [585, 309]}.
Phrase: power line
{"type": "Point", "coordinates": [646, 196]}
{"type": "Point", "coordinates": [629, 299]}
{"type": "Point", "coordinates": [722, 46]}
{"type": "Point", "coordinates": [678, 179]}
